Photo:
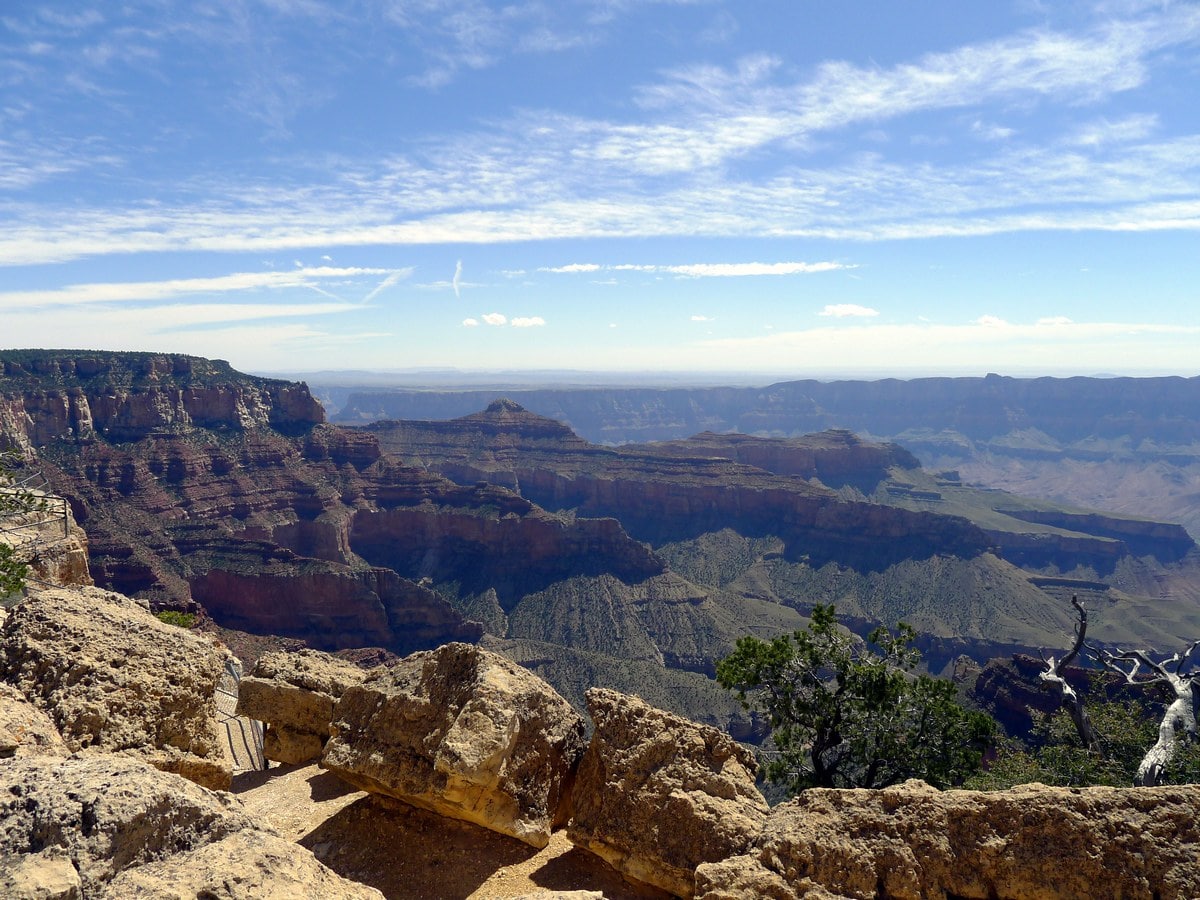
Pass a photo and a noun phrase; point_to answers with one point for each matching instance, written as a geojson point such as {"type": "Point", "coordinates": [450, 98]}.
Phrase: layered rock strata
{"type": "Point", "coordinates": [657, 795]}
{"type": "Point", "coordinates": [462, 732]}
{"type": "Point", "coordinates": [115, 679]}
{"type": "Point", "coordinates": [913, 841]}
{"type": "Point", "coordinates": [294, 694]}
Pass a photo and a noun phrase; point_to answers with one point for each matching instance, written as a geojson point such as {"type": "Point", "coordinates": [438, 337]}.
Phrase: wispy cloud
{"type": "Point", "coordinates": [708, 270]}
{"type": "Point", "coordinates": [456, 281]}
{"type": "Point", "coordinates": [140, 291]}
{"type": "Point", "coordinates": [848, 311]}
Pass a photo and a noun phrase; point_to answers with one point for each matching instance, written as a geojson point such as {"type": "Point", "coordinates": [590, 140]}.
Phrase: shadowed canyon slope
{"type": "Point", "coordinates": [634, 568]}
{"type": "Point", "coordinates": [1129, 445]}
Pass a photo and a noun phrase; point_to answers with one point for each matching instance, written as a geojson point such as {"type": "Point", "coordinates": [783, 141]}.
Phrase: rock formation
{"type": "Point", "coordinates": [672, 492]}
{"type": "Point", "coordinates": [294, 694]}
{"type": "Point", "coordinates": [111, 828]}
{"type": "Point", "coordinates": [913, 841]}
{"type": "Point", "coordinates": [464, 733]}
{"type": "Point", "coordinates": [657, 795]}
{"type": "Point", "coordinates": [26, 730]}
{"type": "Point", "coordinates": [246, 865]}
{"type": "Point", "coordinates": [115, 679]}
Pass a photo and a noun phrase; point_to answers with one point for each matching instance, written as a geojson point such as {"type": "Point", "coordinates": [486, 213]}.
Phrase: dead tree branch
{"type": "Point", "coordinates": [1070, 698]}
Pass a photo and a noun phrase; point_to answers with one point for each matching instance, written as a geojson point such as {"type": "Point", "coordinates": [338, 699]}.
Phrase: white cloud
{"type": "Point", "coordinates": [711, 270]}
{"type": "Point", "coordinates": [527, 322]}
{"type": "Point", "coordinates": [456, 282]}
{"type": "Point", "coordinates": [1055, 320]}
{"type": "Point", "coordinates": [495, 318]}
{"type": "Point", "coordinates": [571, 269]}
{"type": "Point", "coordinates": [701, 319]}
{"type": "Point", "coordinates": [991, 322]}
{"type": "Point", "coordinates": [470, 323]}
{"type": "Point", "coordinates": [126, 292]}
{"type": "Point", "coordinates": [847, 310]}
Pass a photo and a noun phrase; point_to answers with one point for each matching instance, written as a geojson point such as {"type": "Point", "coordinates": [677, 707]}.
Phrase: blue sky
{"type": "Point", "coordinates": [793, 188]}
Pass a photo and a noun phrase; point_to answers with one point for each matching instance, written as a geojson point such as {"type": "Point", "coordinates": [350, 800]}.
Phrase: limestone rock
{"type": "Point", "coordinates": [462, 732]}
{"type": "Point", "coordinates": [912, 841]}
{"type": "Point", "coordinates": [113, 678]}
{"type": "Point", "coordinates": [107, 813]}
{"type": "Point", "coordinates": [656, 795]}
{"type": "Point", "coordinates": [295, 693]}
{"type": "Point", "coordinates": [246, 865]}
{"type": "Point", "coordinates": [26, 730]}
{"type": "Point", "coordinates": [48, 875]}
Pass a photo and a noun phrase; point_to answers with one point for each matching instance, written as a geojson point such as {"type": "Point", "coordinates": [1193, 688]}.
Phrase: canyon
{"type": "Point", "coordinates": [634, 567]}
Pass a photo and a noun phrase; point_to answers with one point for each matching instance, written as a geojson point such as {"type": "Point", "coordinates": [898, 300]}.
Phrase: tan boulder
{"type": "Point", "coordinates": [656, 794]}
{"type": "Point", "coordinates": [294, 693]}
{"type": "Point", "coordinates": [48, 875]}
{"type": "Point", "coordinates": [106, 813]}
{"type": "Point", "coordinates": [246, 865]}
{"type": "Point", "coordinates": [912, 841]}
{"type": "Point", "coordinates": [462, 732]}
{"type": "Point", "coordinates": [25, 730]}
{"type": "Point", "coordinates": [113, 678]}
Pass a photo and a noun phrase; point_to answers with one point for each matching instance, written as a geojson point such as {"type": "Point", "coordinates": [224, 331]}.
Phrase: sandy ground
{"type": "Point", "coordinates": [409, 853]}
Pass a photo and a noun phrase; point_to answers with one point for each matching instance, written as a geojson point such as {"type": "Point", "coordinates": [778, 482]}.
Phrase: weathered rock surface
{"type": "Point", "coordinates": [115, 679]}
{"type": "Point", "coordinates": [912, 841]}
{"type": "Point", "coordinates": [107, 813]}
{"type": "Point", "coordinates": [294, 693]}
{"type": "Point", "coordinates": [48, 875]}
{"type": "Point", "coordinates": [656, 795]}
{"type": "Point", "coordinates": [246, 865]}
{"type": "Point", "coordinates": [464, 733]}
{"type": "Point", "coordinates": [26, 730]}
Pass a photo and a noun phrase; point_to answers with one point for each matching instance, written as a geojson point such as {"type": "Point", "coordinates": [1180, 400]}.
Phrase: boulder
{"type": "Point", "coordinates": [106, 813]}
{"type": "Point", "coordinates": [246, 865]}
{"type": "Point", "coordinates": [113, 678]}
{"type": "Point", "coordinates": [25, 730]}
{"type": "Point", "coordinates": [294, 693]}
{"type": "Point", "coordinates": [912, 841]}
{"type": "Point", "coordinates": [656, 794]}
{"type": "Point", "coordinates": [465, 733]}
{"type": "Point", "coordinates": [48, 875]}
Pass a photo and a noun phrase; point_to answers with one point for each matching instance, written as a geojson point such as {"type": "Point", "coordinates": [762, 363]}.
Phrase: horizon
{"type": "Point", "coordinates": [665, 187]}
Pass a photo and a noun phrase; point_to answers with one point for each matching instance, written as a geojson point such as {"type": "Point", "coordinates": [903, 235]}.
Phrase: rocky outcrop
{"type": "Point", "coordinates": [106, 827]}
{"type": "Point", "coordinates": [108, 813]}
{"type": "Point", "coordinates": [657, 795]}
{"type": "Point", "coordinates": [26, 730]}
{"type": "Point", "coordinates": [914, 841]}
{"type": "Point", "coordinates": [115, 679]}
{"type": "Point", "coordinates": [294, 694]}
{"type": "Point", "coordinates": [246, 865]}
{"type": "Point", "coordinates": [464, 733]}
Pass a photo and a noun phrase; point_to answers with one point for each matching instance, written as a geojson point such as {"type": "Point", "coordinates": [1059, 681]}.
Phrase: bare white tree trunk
{"type": "Point", "coordinates": [1178, 722]}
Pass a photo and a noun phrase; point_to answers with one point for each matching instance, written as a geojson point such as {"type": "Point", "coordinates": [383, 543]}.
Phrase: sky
{"type": "Point", "coordinates": [795, 188]}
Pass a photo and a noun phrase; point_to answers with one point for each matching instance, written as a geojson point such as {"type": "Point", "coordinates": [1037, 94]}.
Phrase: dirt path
{"type": "Point", "coordinates": [409, 853]}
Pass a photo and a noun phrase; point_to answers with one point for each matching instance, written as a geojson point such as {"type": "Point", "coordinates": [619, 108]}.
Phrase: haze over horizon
{"type": "Point", "coordinates": [606, 185]}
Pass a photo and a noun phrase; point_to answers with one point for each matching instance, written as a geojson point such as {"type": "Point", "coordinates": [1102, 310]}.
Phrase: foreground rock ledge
{"type": "Point", "coordinates": [657, 794]}
{"type": "Point", "coordinates": [464, 733]}
{"type": "Point", "coordinates": [115, 679]}
{"type": "Point", "coordinates": [912, 841]}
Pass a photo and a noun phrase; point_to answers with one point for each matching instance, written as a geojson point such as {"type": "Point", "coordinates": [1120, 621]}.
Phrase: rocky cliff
{"type": "Point", "coordinates": [1125, 444]}
{"type": "Point", "coordinates": [670, 492]}
{"type": "Point", "coordinates": [198, 483]}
